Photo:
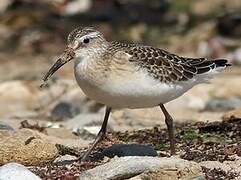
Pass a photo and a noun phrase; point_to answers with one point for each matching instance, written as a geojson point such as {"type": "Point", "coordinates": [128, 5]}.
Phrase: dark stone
{"type": "Point", "coordinates": [63, 111]}
{"type": "Point", "coordinates": [121, 150]}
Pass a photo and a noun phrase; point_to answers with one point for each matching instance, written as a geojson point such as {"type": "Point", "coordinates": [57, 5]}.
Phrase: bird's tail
{"type": "Point", "coordinates": [221, 63]}
{"type": "Point", "coordinates": [212, 65]}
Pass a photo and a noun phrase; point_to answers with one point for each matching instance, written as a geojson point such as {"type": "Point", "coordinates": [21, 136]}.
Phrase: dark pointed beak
{"type": "Point", "coordinates": [63, 59]}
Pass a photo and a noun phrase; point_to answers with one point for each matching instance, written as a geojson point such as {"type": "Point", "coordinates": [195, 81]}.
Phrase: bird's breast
{"type": "Point", "coordinates": [123, 86]}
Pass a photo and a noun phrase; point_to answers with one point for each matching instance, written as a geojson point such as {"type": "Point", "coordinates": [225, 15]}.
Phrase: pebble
{"type": "Point", "coordinates": [64, 159]}
{"type": "Point", "coordinates": [63, 111]}
{"type": "Point", "coordinates": [15, 171]}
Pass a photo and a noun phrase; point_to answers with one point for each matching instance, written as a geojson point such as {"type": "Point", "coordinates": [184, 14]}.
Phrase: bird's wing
{"type": "Point", "coordinates": [168, 67]}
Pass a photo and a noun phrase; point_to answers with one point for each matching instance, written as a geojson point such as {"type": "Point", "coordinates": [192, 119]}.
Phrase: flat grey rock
{"type": "Point", "coordinates": [15, 171]}
{"type": "Point", "coordinates": [131, 166]}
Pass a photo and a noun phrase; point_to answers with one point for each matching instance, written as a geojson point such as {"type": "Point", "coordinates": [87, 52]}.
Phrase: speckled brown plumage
{"type": "Point", "coordinates": [165, 66]}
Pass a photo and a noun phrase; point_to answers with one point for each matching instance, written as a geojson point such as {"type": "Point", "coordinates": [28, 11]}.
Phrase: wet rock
{"type": "Point", "coordinates": [63, 111]}
{"type": "Point", "coordinates": [127, 167]}
{"type": "Point", "coordinates": [26, 147]}
{"type": "Point", "coordinates": [234, 114]}
{"type": "Point", "coordinates": [121, 150]}
{"type": "Point", "coordinates": [13, 171]}
{"type": "Point", "coordinates": [219, 104]}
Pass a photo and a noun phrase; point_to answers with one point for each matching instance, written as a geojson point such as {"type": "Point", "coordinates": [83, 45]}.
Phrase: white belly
{"type": "Point", "coordinates": [136, 91]}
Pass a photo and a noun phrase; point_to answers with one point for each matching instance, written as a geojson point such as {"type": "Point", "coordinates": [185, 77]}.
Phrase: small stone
{"type": "Point", "coordinates": [88, 132]}
{"type": "Point", "coordinates": [63, 111]}
{"type": "Point", "coordinates": [64, 159]}
{"type": "Point", "coordinates": [14, 171]}
{"type": "Point", "coordinates": [128, 167]}
{"type": "Point", "coordinates": [121, 150]}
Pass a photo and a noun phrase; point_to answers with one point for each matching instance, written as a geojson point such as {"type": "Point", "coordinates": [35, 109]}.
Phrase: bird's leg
{"type": "Point", "coordinates": [170, 128]}
{"type": "Point", "coordinates": [100, 135]}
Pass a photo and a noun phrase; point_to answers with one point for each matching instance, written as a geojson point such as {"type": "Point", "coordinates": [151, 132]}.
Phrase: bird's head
{"type": "Point", "coordinates": [82, 42]}
{"type": "Point", "coordinates": [86, 42]}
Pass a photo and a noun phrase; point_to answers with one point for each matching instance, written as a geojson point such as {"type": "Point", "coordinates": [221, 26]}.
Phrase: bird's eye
{"type": "Point", "coordinates": [86, 40]}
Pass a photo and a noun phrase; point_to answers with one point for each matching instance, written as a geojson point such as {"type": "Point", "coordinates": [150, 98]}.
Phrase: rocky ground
{"type": "Point", "coordinates": [204, 150]}
{"type": "Point", "coordinates": [45, 130]}
{"type": "Point", "coordinates": [48, 129]}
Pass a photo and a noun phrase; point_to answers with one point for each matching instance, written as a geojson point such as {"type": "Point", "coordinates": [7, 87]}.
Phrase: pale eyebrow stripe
{"type": "Point", "coordinates": [91, 35]}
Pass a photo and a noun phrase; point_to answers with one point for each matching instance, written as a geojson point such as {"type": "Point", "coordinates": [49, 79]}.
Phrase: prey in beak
{"type": "Point", "coordinates": [61, 60]}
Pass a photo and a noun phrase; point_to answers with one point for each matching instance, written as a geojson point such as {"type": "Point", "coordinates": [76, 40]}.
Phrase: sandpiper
{"type": "Point", "coordinates": [121, 75]}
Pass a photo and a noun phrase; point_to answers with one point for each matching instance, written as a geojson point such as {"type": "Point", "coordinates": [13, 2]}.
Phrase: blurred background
{"type": "Point", "coordinates": [34, 32]}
